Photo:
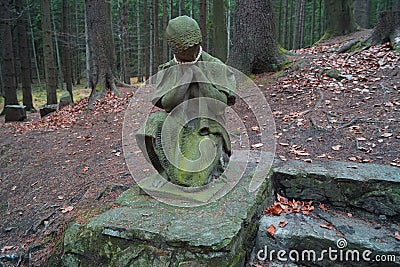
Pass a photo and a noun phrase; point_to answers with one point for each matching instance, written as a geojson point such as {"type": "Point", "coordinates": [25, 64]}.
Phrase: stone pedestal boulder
{"type": "Point", "coordinates": [143, 231]}
{"type": "Point", "coordinates": [15, 113]}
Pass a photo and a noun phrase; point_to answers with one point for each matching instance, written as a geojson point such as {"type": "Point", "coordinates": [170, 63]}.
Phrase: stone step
{"type": "Point", "coordinates": [351, 187]}
{"type": "Point", "coordinates": [349, 239]}
{"type": "Point", "coordinates": [143, 231]}
{"type": "Point", "coordinates": [14, 113]}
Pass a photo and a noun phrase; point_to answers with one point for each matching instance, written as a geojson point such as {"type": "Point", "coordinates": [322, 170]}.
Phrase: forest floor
{"type": "Point", "coordinates": [70, 165]}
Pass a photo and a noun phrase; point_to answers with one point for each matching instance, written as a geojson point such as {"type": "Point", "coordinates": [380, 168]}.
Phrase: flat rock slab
{"type": "Point", "coordinates": [347, 240]}
{"type": "Point", "coordinates": [14, 113]}
{"type": "Point", "coordinates": [48, 109]}
{"type": "Point", "coordinates": [357, 187]}
{"type": "Point", "coordinates": [146, 232]}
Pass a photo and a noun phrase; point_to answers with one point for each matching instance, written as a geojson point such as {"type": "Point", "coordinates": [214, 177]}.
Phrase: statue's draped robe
{"type": "Point", "coordinates": [189, 145]}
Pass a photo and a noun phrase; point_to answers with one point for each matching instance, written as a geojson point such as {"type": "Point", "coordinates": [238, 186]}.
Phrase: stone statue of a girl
{"type": "Point", "coordinates": [187, 142]}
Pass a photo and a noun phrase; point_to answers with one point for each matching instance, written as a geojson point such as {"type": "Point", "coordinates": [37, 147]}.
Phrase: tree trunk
{"type": "Point", "coordinates": [255, 49]}
{"type": "Point", "coordinates": [8, 66]}
{"type": "Point", "coordinates": [362, 12]}
{"type": "Point", "coordinates": [78, 63]}
{"type": "Point", "coordinates": [291, 26]}
{"type": "Point", "coordinates": [146, 39]}
{"type": "Point", "coordinates": [151, 40]}
{"type": "Point", "coordinates": [312, 22]}
{"type": "Point", "coordinates": [296, 27]}
{"type": "Point", "coordinates": [203, 23]}
{"type": "Point", "coordinates": [57, 49]}
{"type": "Point", "coordinates": [67, 62]}
{"type": "Point", "coordinates": [387, 29]}
{"type": "Point", "coordinates": [279, 23]}
{"type": "Point", "coordinates": [182, 7]}
{"type": "Point", "coordinates": [139, 44]}
{"type": "Point", "coordinates": [34, 48]}
{"type": "Point", "coordinates": [165, 24]}
{"type": "Point", "coordinates": [302, 22]}
{"type": "Point", "coordinates": [220, 34]}
{"type": "Point", "coordinates": [340, 19]}
{"type": "Point", "coordinates": [228, 29]}
{"type": "Point", "coordinates": [101, 49]}
{"type": "Point", "coordinates": [48, 54]}
{"type": "Point", "coordinates": [396, 5]}
{"type": "Point", "coordinates": [321, 18]}
{"type": "Point", "coordinates": [156, 38]}
{"type": "Point", "coordinates": [125, 43]}
{"type": "Point", "coordinates": [24, 56]}
{"type": "Point", "coordinates": [285, 24]}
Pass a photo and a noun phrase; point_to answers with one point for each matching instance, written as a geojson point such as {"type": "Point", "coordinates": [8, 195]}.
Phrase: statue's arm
{"type": "Point", "coordinates": [174, 97]}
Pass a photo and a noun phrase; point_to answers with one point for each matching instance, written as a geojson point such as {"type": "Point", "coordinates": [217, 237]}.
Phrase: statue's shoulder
{"type": "Point", "coordinates": [209, 58]}
{"type": "Point", "coordinates": [166, 65]}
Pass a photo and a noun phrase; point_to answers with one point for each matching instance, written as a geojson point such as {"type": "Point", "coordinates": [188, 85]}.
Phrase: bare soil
{"type": "Point", "coordinates": [70, 166]}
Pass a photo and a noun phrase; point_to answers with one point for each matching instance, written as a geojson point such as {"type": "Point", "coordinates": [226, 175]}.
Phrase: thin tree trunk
{"type": "Point", "coordinates": [139, 44]}
{"type": "Point", "coordinates": [8, 66]}
{"type": "Point", "coordinates": [87, 52]}
{"type": "Point", "coordinates": [192, 9]}
{"type": "Point", "coordinates": [296, 27]}
{"type": "Point", "coordinates": [67, 62]}
{"type": "Point", "coordinates": [156, 37]}
{"type": "Point", "coordinates": [396, 5]}
{"type": "Point", "coordinates": [146, 39]}
{"type": "Point", "coordinates": [203, 23]}
{"type": "Point", "coordinates": [125, 43]}
{"type": "Point", "coordinates": [322, 18]}
{"type": "Point", "coordinates": [220, 35]}
{"type": "Point", "coordinates": [34, 48]}
{"type": "Point", "coordinates": [228, 29]}
{"type": "Point", "coordinates": [25, 58]}
{"type": "Point", "coordinates": [78, 62]}
{"type": "Point", "coordinates": [182, 7]}
{"type": "Point", "coordinates": [291, 26]}
{"type": "Point", "coordinates": [302, 22]}
{"type": "Point", "coordinates": [165, 24]}
{"type": "Point", "coordinates": [312, 22]}
{"type": "Point", "coordinates": [48, 54]}
{"type": "Point", "coordinates": [60, 75]}
{"type": "Point", "coordinates": [285, 23]}
{"type": "Point", "coordinates": [279, 22]}
{"type": "Point", "coordinates": [151, 40]}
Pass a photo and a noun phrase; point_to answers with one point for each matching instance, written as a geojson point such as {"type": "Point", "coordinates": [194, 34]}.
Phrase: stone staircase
{"type": "Point", "coordinates": [358, 229]}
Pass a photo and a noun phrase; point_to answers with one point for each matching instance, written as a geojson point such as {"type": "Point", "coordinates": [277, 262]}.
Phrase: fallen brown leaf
{"type": "Point", "coordinates": [283, 223]}
{"type": "Point", "coordinates": [322, 207]}
{"type": "Point", "coordinates": [258, 145]}
{"type": "Point", "coordinates": [327, 226]}
{"type": "Point", "coordinates": [271, 230]}
{"type": "Point", "coordinates": [282, 199]}
{"type": "Point", "coordinates": [397, 235]}
{"type": "Point", "coordinates": [67, 209]}
{"type": "Point", "coordinates": [6, 248]}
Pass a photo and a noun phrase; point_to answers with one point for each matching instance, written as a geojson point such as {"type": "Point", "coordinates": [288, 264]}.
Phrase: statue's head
{"type": "Point", "coordinates": [183, 33]}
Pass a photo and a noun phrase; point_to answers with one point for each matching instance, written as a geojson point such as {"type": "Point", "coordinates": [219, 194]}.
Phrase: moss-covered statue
{"type": "Point", "coordinates": [188, 144]}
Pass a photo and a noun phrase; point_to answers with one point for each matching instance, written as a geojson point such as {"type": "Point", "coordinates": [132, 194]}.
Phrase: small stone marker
{"type": "Point", "coordinates": [15, 113]}
{"type": "Point", "coordinates": [47, 109]}
{"type": "Point", "coordinates": [65, 100]}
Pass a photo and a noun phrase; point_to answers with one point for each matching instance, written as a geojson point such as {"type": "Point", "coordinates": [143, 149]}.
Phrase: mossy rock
{"type": "Point", "coordinates": [65, 100]}
{"type": "Point", "coordinates": [145, 232]}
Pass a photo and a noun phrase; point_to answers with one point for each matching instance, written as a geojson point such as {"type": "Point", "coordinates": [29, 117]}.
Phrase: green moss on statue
{"type": "Point", "coordinates": [188, 144]}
